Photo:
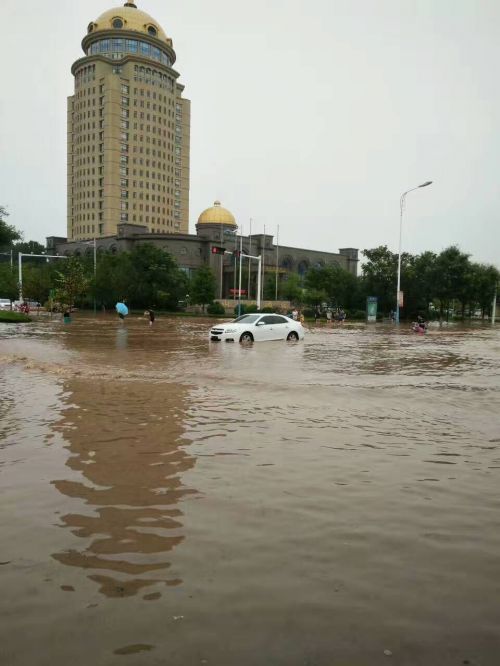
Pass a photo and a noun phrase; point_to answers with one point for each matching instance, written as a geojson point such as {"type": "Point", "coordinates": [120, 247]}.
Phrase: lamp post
{"type": "Point", "coordinates": [234, 233]}
{"type": "Point", "coordinates": [401, 206]}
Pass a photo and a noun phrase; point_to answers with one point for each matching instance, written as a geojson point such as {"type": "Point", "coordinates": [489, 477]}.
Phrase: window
{"type": "Point", "coordinates": [117, 23]}
{"type": "Point", "coordinates": [125, 101]}
{"type": "Point", "coordinates": [123, 182]}
{"type": "Point", "coordinates": [152, 30]}
{"type": "Point", "coordinates": [125, 89]}
{"type": "Point", "coordinates": [123, 217]}
{"type": "Point", "coordinates": [124, 194]}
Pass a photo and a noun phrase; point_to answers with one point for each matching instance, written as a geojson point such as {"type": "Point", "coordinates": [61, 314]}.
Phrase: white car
{"type": "Point", "coordinates": [258, 327]}
{"type": "Point", "coordinates": [5, 304]}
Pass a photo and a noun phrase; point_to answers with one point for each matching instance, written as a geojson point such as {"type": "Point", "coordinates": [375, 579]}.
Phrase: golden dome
{"type": "Point", "coordinates": [217, 215]}
{"type": "Point", "coordinates": [132, 19]}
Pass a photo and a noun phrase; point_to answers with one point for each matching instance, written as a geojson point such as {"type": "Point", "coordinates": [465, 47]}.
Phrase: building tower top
{"type": "Point", "coordinates": [128, 18]}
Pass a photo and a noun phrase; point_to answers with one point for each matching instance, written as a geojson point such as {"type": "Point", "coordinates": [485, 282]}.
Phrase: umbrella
{"type": "Point", "coordinates": [121, 308]}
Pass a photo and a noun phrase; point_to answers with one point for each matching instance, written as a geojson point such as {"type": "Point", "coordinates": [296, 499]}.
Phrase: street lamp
{"type": "Point", "coordinates": [401, 206]}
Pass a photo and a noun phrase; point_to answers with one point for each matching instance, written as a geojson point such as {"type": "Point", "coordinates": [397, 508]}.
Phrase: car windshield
{"type": "Point", "coordinates": [246, 319]}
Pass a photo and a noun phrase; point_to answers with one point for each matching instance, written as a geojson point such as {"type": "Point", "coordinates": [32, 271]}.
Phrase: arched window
{"type": "Point", "coordinates": [303, 267]}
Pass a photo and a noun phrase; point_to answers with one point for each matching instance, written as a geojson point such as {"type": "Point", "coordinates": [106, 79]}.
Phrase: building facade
{"type": "Point", "coordinates": [128, 131]}
{"type": "Point", "coordinates": [216, 228]}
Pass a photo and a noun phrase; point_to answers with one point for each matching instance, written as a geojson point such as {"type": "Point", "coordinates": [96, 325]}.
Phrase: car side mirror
{"type": "Point", "coordinates": [260, 323]}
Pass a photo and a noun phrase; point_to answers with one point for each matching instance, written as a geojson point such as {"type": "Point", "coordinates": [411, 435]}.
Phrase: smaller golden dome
{"type": "Point", "coordinates": [217, 215]}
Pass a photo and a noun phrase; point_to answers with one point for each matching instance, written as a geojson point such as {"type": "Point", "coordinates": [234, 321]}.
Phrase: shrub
{"type": "Point", "coordinates": [216, 308]}
{"type": "Point", "coordinates": [267, 309]}
{"type": "Point", "coordinates": [357, 315]}
{"type": "Point", "coordinates": [239, 310]}
{"type": "Point", "coordinates": [249, 309]}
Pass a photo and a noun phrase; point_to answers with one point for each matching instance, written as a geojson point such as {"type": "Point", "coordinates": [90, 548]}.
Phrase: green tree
{"type": "Point", "coordinates": [8, 233]}
{"type": "Point", "coordinates": [484, 282]}
{"type": "Point", "coordinates": [202, 287]}
{"type": "Point", "coordinates": [269, 291]}
{"type": "Point", "coordinates": [28, 247]}
{"type": "Point", "coordinates": [340, 285]}
{"type": "Point", "coordinates": [72, 282]}
{"type": "Point", "coordinates": [38, 280]}
{"type": "Point", "coordinates": [155, 279]}
{"type": "Point", "coordinates": [452, 278]}
{"type": "Point", "coordinates": [379, 276]}
{"type": "Point", "coordinates": [315, 297]}
{"type": "Point", "coordinates": [8, 282]}
{"type": "Point", "coordinates": [291, 288]}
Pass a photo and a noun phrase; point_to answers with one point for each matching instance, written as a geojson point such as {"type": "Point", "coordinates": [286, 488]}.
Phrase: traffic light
{"type": "Point", "coordinates": [218, 250]}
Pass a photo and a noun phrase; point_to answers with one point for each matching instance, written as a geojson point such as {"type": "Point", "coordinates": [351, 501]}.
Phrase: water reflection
{"type": "Point", "coordinates": [121, 338]}
{"type": "Point", "coordinates": [128, 456]}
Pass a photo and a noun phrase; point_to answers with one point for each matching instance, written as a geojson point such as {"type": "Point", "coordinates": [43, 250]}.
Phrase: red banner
{"type": "Point", "coordinates": [237, 292]}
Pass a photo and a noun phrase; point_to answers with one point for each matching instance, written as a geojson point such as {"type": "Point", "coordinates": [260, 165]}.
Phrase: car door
{"type": "Point", "coordinates": [280, 327]}
{"type": "Point", "coordinates": [264, 328]}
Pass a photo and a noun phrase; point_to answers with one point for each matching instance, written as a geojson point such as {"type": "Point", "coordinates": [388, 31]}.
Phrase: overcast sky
{"type": "Point", "coordinates": [311, 114]}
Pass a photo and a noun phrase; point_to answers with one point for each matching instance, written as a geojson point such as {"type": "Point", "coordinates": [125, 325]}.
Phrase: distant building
{"type": "Point", "coordinates": [216, 227]}
{"type": "Point", "coordinates": [128, 130]}
{"type": "Point", "coordinates": [128, 162]}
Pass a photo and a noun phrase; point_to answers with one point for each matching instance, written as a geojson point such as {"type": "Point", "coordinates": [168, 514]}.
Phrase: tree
{"type": "Point", "coordinates": [155, 279]}
{"type": "Point", "coordinates": [8, 233]}
{"type": "Point", "coordinates": [38, 280]}
{"type": "Point", "coordinates": [269, 291]}
{"type": "Point", "coordinates": [202, 287]}
{"type": "Point", "coordinates": [291, 288]}
{"type": "Point", "coordinates": [452, 276]}
{"type": "Point", "coordinates": [340, 285]}
{"type": "Point", "coordinates": [379, 276]}
{"type": "Point", "coordinates": [8, 282]}
{"type": "Point", "coordinates": [485, 281]}
{"type": "Point", "coordinates": [72, 283]}
{"type": "Point", "coordinates": [28, 247]}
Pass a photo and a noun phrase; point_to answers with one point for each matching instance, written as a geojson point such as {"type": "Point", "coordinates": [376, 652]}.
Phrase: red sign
{"type": "Point", "coordinates": [238, 292]}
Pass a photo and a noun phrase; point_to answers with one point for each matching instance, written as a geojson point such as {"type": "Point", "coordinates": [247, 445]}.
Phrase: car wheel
{"type": "Point", "coordinates": [292, 336]}
{"type": "Point", "coordinates": [246, 337]}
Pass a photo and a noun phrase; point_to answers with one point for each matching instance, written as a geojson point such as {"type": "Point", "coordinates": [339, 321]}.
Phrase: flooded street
{"type": "Point", "coordinates": [166, 500]}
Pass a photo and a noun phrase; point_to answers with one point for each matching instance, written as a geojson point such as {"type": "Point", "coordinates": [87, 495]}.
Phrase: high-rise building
{"type": "Point", "coordinates": [128, 130]}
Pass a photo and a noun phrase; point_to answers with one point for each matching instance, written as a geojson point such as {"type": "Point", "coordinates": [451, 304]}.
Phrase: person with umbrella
{"type": "Point", "coordinates": [121, 309]}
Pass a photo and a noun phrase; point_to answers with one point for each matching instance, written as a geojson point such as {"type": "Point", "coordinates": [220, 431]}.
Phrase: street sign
{"type": "Point", "coordinates": [238, 292]}
{"type": "Point", "coordinates": [371, 309]}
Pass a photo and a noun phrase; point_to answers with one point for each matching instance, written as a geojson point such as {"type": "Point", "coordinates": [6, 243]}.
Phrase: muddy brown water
{"type": "Point", "coordinates": [164, 500]}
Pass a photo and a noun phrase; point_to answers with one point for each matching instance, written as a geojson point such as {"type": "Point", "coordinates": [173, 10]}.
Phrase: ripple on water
{"type": "Point", "coordinates": [256, 495]}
